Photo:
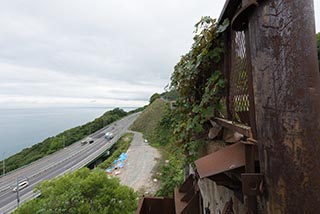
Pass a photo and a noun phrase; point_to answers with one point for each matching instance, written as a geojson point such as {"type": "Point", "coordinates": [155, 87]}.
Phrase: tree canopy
{"type": "Point", "coordinates": [83, 191]}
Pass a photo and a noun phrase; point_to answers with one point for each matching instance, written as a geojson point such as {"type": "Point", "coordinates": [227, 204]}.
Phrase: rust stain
{"type": "Point", "coordinates": [286, 86]}
{"type": "Point", "coordinates": [226, 159]}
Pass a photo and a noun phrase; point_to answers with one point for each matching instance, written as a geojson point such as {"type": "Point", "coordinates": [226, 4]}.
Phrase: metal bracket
{"type": "Point", "coordinates": [252, 184]}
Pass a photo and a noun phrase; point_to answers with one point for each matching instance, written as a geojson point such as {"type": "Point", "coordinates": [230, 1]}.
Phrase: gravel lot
{"type": "Point", "coordinates": [137, 172]}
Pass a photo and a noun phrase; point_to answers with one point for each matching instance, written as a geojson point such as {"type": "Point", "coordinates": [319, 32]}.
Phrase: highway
{"type": "Point", "coordinates": [66, 160]}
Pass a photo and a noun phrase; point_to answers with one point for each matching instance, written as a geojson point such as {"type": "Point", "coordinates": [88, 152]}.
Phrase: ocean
{"type": "Point", "coordinates": [22, 128]}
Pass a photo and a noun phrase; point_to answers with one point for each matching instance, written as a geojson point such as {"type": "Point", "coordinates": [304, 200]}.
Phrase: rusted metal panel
{"type": "Point", "coordinates": [187, 184]}
{"type": "Point", "coordinates": [229, 9]}
{"type": "Point", "coordinates": [252, 184]}
{"type": "Point", "coordinates": [240, 20]}
{"type": "Point", "coordinates": [187, 197]}
{"type": "Point", "coordinates": [287, 104]}
{"type": "Point", "coordinates": [193, 206]}
{"type": "Point", "coordinates": [179, 204]}
{"type": "Point", "coordinates": [228, 158]}
{"type": "Point", "coordinates": [156, 205]}
{"type": "Point", "coordinates": [252, 116]}
{"type": "Point", "coordinates": [246, 182]}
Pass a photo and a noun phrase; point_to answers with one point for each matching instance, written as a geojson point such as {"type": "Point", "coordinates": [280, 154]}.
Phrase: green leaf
{"type": "Point", "coordinates": [208, 112]}
{"type": "Point", "coordinates": [223, 26]}
{"type": "Point", "coordinates": [195, 109]}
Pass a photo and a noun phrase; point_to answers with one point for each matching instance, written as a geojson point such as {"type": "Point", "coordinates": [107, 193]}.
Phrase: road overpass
{"type": "Point", "coordinates": [66, 160]}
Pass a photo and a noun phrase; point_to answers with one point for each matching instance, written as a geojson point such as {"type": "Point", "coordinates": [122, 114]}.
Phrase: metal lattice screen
{"type": "Point", "coordinates": [239, 90]}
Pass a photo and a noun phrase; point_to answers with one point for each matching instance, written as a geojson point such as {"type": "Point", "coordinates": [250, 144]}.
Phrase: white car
{"type": "Point", "coordinates": [21, 186]}
{"type": "Point", "coordinates": [108, 136]}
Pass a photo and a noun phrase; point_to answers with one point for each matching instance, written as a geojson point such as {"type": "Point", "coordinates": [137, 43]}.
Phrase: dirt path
{"type": "Point", "coordinates": [137, 172]}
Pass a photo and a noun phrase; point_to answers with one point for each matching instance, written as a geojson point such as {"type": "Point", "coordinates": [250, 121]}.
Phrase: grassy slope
{"type": "Point", "coordinates": [149, 118]}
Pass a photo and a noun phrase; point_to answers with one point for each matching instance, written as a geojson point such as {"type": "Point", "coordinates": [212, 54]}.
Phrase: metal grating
{"type": "Point", "coordinates": [239, 90]}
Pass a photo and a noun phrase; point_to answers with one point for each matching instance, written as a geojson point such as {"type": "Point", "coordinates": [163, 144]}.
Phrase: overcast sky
{"type": "Point", "coordinates": [94, 52]}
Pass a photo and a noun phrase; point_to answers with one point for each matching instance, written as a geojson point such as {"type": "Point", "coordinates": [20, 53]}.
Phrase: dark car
{"type": "Point", "coordinates": [91, 141]}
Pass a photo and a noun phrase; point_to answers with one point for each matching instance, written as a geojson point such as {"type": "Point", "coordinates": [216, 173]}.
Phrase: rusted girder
{"type": "Point", "coordinates": [287, 103]}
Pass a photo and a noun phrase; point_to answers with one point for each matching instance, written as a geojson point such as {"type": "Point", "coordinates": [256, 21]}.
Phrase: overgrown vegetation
{"type": "Point", "coordinates": [122, 145]}
{"type": "Point", "coordinates": [83, 191]}
{"type": "Point", "coordinates": [68, 137]}
{"type": "Point", "coordinates": [172, 169]}
{"type": "Point", "coordinates": [200, 85]}
{"type": "Point", "coordinates": [171, 95]}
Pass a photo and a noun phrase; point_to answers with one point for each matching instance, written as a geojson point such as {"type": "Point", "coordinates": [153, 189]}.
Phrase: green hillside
{"type": "Point", "coordinates": [149, 118]}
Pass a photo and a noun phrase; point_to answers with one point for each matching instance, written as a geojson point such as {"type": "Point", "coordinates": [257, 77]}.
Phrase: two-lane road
{"type": "Point", "coordinates": [68, 159]}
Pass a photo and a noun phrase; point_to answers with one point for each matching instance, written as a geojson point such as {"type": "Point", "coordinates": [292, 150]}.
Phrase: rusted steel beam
{"type": "Point", "coordinates": [249, 149]}
{"type": "Point", "coordinates": [229, 9]}
{"type": "Point", "coordinates": [156, 205]}
{"type": "Point", "coordinates": [287, 103]}
{"type": "Point", "coordinates": [252, 116]}
{"type": "Point", "coordinates": [227, 67]}
{"type": "Point", "coordinates": [242, 129]}
{"type": "Point", "coordinates": [250, 168]}
{"type": "Point", "coordinates": [252, 184]}
{"type": "Point", "coordinates": [228, 158]}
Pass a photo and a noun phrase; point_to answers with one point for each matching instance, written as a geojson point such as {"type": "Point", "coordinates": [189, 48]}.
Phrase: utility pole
{"type": "Point", "coordinates": [64, 142]}
{"type": "Point", "coordinates": [4, 165]}
{"type": "Point", "coordinates": [18, 195]}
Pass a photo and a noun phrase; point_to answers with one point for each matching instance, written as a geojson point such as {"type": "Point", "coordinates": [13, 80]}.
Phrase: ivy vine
{"type": "Point", "coordinates": [200, 84]}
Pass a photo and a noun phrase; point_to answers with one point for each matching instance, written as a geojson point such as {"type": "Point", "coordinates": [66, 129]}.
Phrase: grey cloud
{"type": "Point", "coordinates": [95, 49]}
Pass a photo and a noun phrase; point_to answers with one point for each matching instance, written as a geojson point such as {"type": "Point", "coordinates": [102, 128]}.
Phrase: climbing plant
{"type": "Point", "coordinates": [200, 84]}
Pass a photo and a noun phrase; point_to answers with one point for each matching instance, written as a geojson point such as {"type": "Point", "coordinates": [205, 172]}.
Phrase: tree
{"type": "Point", "coordinates": [83, 191]}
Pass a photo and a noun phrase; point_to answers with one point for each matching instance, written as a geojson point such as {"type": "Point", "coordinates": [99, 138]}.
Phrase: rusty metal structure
{"type": "Point", "coordinates": [287, 103]}
{"type": "Point", "coordinates": [273, 99]}
{"type": "Point", "coordinates": [186, 200]}
{"type": "Point", "coordinates": [156, 205]}
{"type": "Point", "coordinates": [273, 102]}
